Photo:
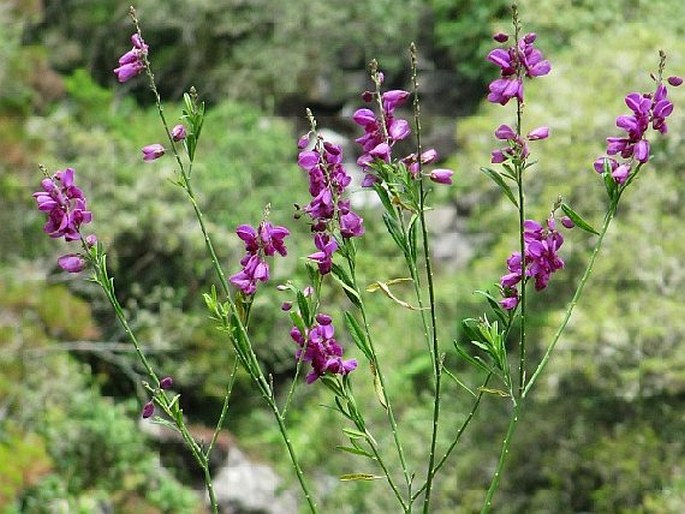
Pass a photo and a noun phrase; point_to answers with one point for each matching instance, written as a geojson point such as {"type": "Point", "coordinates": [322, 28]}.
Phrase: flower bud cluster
{"type": "Point", "coordinates": [648, 109]}
{"type": "Point", "coordinates": [67, 210]}
{"type": "Point", "coordinates": [518, 146]}
{"type": "Point", "coordinates": [319, 347]}
{"type": "Point", "coordinates": [132, 63]}
{"type": "Point", "coordinates": [265, 240]}
{"type": "Point", "coordinates": [520, 60]}
{"type": "Point", "coordinates": [328, 180]}
{"type": "Point", "coordinates": [542, 245]}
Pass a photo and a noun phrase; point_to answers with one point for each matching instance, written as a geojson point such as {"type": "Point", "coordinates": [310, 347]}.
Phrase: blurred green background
{"type": "Point", "coordinates": [605, 431]}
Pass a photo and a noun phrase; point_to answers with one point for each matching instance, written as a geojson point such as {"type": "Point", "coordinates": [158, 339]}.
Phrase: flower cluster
{"type": "Point", "coordinates": [383, 131]}
{"type": "Point", "coordinates": [380, 133]}
{"type": "Point", "coordinates": [265, 240]}
{"type": "Point", "coordinates": [519, 60]}
{"type": "Point", "coordinates": [541, 259]}
{"type": "Point", "coordinates": [648, 109]}
{"type": "Point", "coordinates": [132, 63]}
{"type": "Point", "coordinates": [327, 209]}
{"type": "Point", "coordinates": [67, 210]}
{"type": "Point", "coordinates": [319, 347]}
{"type": "Point", "coordinates": [518, 146]}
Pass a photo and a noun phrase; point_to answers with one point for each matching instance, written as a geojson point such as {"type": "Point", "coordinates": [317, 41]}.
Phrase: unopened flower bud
{"type": "Point", "coordinates": [675, 80]}
{"type": "Point", "coordinates": [567, 222]}
{"type": "Point", "coordinates": [166, 383]}
{"type": "Point", "coordinates": [442, 176]}
{"type": "Point", "coordinates": [152, 152]}
{"type": "Point", "coordinates": [72, 263]}
{"type": "Point", "coordinates": [148, 409]}
{"type": "Point", "coordinates": [538, 133]}
{"type": "Point", "coordinates": [178, 133]}
{"type": "Point", "coordinates": [286, 306]}
{"type": "Point", "coordinates": [501, 37]}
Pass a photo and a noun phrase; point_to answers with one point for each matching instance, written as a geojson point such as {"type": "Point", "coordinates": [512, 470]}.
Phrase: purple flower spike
{"type": "Point", "coordinates": [520, 59]}
{"type": "Point", "coordinates": [152, 152]}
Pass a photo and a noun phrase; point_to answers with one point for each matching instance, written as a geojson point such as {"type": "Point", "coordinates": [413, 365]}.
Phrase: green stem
{"type": "Point", "coordinates": [381, 378]}
{"type": "Point", "coordinates": [434, 346]}
{"type": "Point", "coordinates": [224, 409]}
{"type": "Point", "coordinates": [293, 458]}
{"type": "Point", "coordinates": [460, 432]}
{"type": "Point", "coordinates": [494, 484]}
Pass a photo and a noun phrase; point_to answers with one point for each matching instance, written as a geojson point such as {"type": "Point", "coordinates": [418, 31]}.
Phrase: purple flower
{"type": "Point", "coordinates": [324, 257]}
{"type": "Point", "coordinates": [166, 383]}
{"type": "Point", "coordinates": [178, 133]}
{"type": "Point", "coordinates": [351, 225]}
{"type": "Point", "coordinates": [72, 262]}
{"type": "Point", "coordinates": [64, 204]}
{"type": "Point", "coordinates": [152, 152]}
{"type": "Point", "coordinates": [319, 347]}
{"type": "Point", "coordinates": [132, 63]}
{"type": "Point", "coordinates": [675, 81]}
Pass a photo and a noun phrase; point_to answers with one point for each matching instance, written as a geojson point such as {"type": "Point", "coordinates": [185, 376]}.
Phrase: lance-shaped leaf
{"type": "Point", "coordinates": [578, 220]}
{"type": "Point", "coordinates": [349, 477]}
{"type": "Point", "coordinates": [497, 179]}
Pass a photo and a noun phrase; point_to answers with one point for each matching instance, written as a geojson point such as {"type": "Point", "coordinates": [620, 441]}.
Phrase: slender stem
{"type": "Point", "coordinates": [576, 296]}
{"type": "Point", "coordinates": [457, 437]}
{"type": "Point", "coordinates": [504, 453]}
{"type": "Point", "coordinates": [381, 378]}
{"type": "Point", "coordinates": [293, 458]}
{"type": "Point", "coordinates": [437, 364]}
{"type": "Point", "coordinates": [224, 409]}
{"type": "Point", "coordinates": [522, 246]}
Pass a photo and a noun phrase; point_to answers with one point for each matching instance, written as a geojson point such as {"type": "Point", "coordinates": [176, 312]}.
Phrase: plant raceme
{"type": "Point", "coordinates": [402, 185]}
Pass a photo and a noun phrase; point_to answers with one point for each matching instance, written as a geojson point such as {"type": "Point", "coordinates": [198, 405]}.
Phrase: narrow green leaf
{"type": "Point", "coordinates": [578, 220]}
{"type": "Point", "coordinates": [380, 393]}
{"type": "Point", "coordinates": [355, 451]}
{"type": "Point", "coordinates": [357, 334]}
{"type": "Point", "coordinates": [341, 277]}
{"type": "Point", "coordinates": [354, 434]}
{"type": "Point", "coordinates": [350, 477]}
{"type": "Point", "coordinates": [497, 179]}
{"type": "Point", "coordinates": [384, 198]}
{"type": "Point", "coordinates": [396, 232]}
{"type": "Point", "coordinates": [303, 305]}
